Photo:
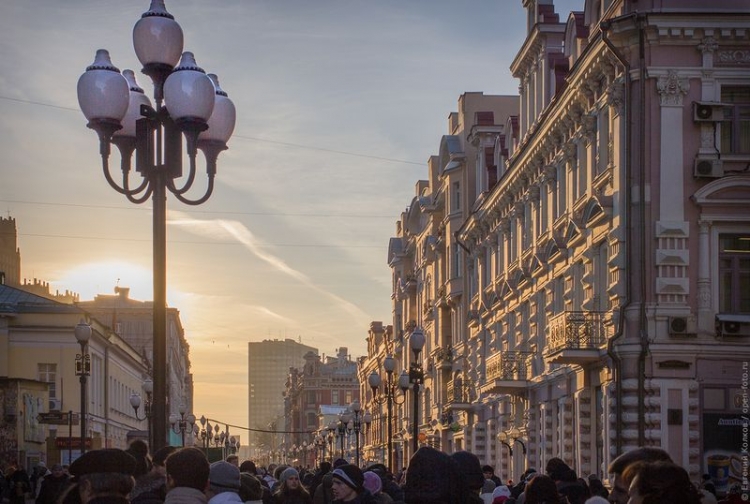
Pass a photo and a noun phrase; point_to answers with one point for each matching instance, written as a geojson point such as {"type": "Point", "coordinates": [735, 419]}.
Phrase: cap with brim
{"type": "Point", "coordinates": [106, 460]}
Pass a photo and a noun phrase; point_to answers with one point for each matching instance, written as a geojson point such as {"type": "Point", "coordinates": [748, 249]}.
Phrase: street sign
{"type": "Point", "coordinates": [58, 418]}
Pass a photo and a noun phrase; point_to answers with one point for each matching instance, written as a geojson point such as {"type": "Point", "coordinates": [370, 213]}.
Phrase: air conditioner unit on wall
{"type": "Point", "coordinates": [682, 326]}
{"type": "Point", "coordinates": [54, 404]}
{"type": "Point", "coordinates": [708, 112]}
{"type": "Point", "coordinates": [734, 329]}
{"type": "Point", "coordinates": [708, 168]}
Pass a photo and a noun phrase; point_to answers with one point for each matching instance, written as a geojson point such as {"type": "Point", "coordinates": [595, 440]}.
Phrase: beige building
{"type": "Point", "coordinates": [590, 295]}
{"type": "Point", "coordinates": [38, 379]}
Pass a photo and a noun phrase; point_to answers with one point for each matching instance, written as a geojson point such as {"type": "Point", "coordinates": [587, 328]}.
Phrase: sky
{"type": "Point", "coordinates": [340, 103]}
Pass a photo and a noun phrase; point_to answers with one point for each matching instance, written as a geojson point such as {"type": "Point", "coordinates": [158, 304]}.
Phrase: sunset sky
{"type": "Point", "coordinates": [339, 106]}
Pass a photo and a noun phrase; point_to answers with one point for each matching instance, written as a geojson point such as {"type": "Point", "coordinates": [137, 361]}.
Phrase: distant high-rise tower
{"type": "Point", "coordinates": [10, 254]}
{"type": "Point", "coordinates": [268, 368]}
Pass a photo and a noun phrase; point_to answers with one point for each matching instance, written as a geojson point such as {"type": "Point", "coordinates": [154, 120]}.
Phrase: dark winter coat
{"type": "Point", "coordinates": [151, 488]}
{"type": "Point", "coordinates": [52, 488]}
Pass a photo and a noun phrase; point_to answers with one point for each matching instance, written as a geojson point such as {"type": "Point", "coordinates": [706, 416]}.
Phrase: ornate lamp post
{"type": "Point", "coordinates": [182, 423]}
{"type": "Point", "coordinates": [515, 435]}
{"type": "Point", "coordinates": [331, 434]}
{"type": "Point", "coordinates": [389, 397]}
{"type": "Point", "coordinates": [187, 102]}
{"type": "Point", "coordinates": [205, 433]}
{"type": "Point", "coordinates": [341, 429]}
{"type": "Point", "coordinates": [135, 402]}
{"type": "Point", "coordinates": [83, 370]}
{"type": "Point", "coordinates": [416, 377]}
{"type": "Point", "coordinates": [356, 419]}
{"type": "Point", "coordinates": [503, 438]}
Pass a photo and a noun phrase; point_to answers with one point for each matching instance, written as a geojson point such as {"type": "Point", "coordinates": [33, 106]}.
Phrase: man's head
{"type": "Point", "coordinates": [619, 493]}
{"type": "Point", "coordinates": [57, 470]}
{"type": "Point", "coordinates": [233, 459]}
{"type": "Point", "coordinates": [348, 482]}
{"type": "Point", "coordinates": [103, 472]}
{"type": "Point", "coordinates": [224, 477]}
{"type": "Point", "coordinates": [160, 458]}
{"type": "Point", "coordinates": [187, 467]}
{"type": "Point", "coordinates": [488, 471]}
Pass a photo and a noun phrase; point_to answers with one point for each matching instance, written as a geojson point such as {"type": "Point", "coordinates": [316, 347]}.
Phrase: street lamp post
{"type": "Point", "coordinates": [389, 396]}
{"type": "Point", "coordinates": [187, 102]}
{"type": "Point", "coordinates": [341, 429]}
{"type": "Point", "coordinates": [416, 377]}
{"type": "Point", "coordinates": [515, 435]}
{"type": "Point", "coordinates": [83, 369]}
{"type": "Point", "coordinates": [182, 423]}
{"type": "Point", "coordinates": [331, 434]}
{"type": "Point", "coordinates": [135, 402]}
{"type": "Point", "coordinates": [356, 419]}
{"type": "Point", "coordinates": [205, 433]}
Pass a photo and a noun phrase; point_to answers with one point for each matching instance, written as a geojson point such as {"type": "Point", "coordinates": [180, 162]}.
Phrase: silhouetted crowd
{"type": "Point", "coordinates": [185, 476]}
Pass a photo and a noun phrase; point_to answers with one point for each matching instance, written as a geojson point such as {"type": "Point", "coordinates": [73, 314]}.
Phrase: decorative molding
{"type": "Point", "coordinates": [708, 45]}
{"type": "Point", "coordinates": [672, 88]}
{"type": "Point", "coordinates": [733, 57]}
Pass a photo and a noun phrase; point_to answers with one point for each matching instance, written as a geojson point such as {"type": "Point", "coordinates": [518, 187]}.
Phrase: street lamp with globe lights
{"type": "Point", "coordinates": [188, 103]}
{"type": "Point", "coordinates": [83, 370]}
{"type": "Point", "coordinates": [356, 419]}
{"type": "Point", "coordinates": [389, 396]}
{"type": "Point", "coordinates": [515, 435]}
{"type": "Point", "coordinates": [182, 423]}
{"type": "Point", "coordinates": [416, 378]}
{"type": "Point", "coordinates": [135, 402]}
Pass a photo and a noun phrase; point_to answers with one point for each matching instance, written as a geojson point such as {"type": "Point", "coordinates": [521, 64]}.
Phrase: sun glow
{"type": "Point", "coordinates": [88, 280]}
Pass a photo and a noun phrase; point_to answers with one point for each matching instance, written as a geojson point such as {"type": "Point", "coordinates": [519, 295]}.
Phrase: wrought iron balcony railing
{"type": "Point", "coordinates": [576, 330]}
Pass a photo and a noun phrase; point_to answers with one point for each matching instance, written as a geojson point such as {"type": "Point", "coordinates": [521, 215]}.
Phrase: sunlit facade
{"type": "Point", "coordinates": [584, 290]}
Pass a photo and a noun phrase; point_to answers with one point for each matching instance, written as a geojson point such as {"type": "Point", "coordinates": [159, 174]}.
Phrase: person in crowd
{"type": "Point", "coordinates": [597, 499]}
{"type": "Point", "coordinates": [708, 485]}
{"type": "Point", "coordinates": [290, 489]}
{"type": "Point", "coordinates": [251, 491]}
{"type": "Point", "coordinates": [472, 476]}
{"type": "Point", "coordinates": [517, 490]}
{"type": "Point", "coordinates": [734, 495]}
{"type": "Point", "coordinates": [53, 485]}
{"type": "Point", "coordinates": [619, 491]}
{"type": "Point", "coordinates": [489, 473]}
{"type": "Point", "coordinates": [18, 483]}
{"type": "Point", "coordinates": [568, 484]}
{"type": "Point", "coordinates": [542, 490]}
{"type": "Point", "coordinates": [36, 478]}
{"type": "Point", "coordinates": [324, 491]}
{"type": "Point", "coordinates": [233, 459]}
{"type": "Point", "coordinates": [487, 488]}
{"type": "Point", "coordinates": [187, 472]}
{"type": "Point", "coordinates": [390, 486]}
{"type": "Point", "coordinates": [150, 484]}
{"type": "Point", "coordinates": [374, 485]}
{"type": "Point", "coordinates": [323, 468]}
{"type": "Point", "coordinates": [501, 494]}
{"type": "Point", "coordinates": [224, 483]}
{"type": "Point", "coordinates": [596, 486]}
{"type": "Point", "coordinates": [660, 482]}
{"type": "Point", "coordinates": [432, 477]}
{"type": "Point", "coordinates": [104, 476]}
{"type": "Point", "coordinates": [348, 485]}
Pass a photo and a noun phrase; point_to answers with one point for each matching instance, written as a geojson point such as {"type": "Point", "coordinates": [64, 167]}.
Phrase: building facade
{"type": "Point", "coordinates": [40, 393]}
{"type": "Point", "coordinates": [595, 296]}
{"type": "Point", "coordinates": [133, 320]}
{"type": "Point", "coordinates": [330, 382]}
{"type": "Point", "coordinates": [269, 362]}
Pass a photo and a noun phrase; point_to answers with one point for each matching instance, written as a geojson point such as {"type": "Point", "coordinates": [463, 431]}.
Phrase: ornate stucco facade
{"type": "Point", "coordinates": [590, 295]}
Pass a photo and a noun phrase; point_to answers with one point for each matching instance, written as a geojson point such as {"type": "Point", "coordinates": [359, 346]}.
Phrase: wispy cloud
{"type": "Point", "coordinates": [236, 231]}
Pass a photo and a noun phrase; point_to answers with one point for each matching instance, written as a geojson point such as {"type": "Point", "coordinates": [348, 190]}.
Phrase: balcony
{"type": "Point", "coordinates": [506, 373]}
{"type": "Point", "coordinates": [458, 395]}
{"type": "Point", "coordinates": [575, 337]}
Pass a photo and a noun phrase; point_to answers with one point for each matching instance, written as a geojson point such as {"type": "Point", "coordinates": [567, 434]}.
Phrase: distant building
{"type": "Point", "coordinates": [39, 386]}
{"type": "Point", "coordinates": [132, 320]}
{"type": "Point", "coordinates": [313, 391]}
{"type": "Point", "coordinates": [268, 366]}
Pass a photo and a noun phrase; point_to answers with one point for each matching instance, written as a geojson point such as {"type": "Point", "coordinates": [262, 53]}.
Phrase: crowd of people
{"type": "Point", "coordinates": [184, 476]}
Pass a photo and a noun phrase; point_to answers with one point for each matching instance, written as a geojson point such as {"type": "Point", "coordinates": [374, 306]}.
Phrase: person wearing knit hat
{"type": "Point", "coordinates": [433, 477]}
{"type": "Point", "coordinates": [290, 490]}
{"type": "Point", "coordinates": [224, 483]}
{"type": "Point", "coordinates": [470, 470]}
{"type": "Point", "coordinates": [105, 475]}
{"type": "Point", "coordinates": [374, 484]}
{"type": "Point", "coordinates": [348, 484]}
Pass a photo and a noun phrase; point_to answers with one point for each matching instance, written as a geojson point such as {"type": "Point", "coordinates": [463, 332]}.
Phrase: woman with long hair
{"type": "Point", "coordinates": [290, 490]}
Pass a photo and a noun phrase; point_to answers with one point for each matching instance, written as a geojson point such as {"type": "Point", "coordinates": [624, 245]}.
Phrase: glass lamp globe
{"type": "Point", "coordinates": [157, 37]}
{"type": "Point", "coordinates": [136, 98]}
{"type": "Point", "coordinates": [222, 120]}
{"type": "Point", "coordinates": [188, 92]}
{"type": "Point", "coordinates": [102, 91]}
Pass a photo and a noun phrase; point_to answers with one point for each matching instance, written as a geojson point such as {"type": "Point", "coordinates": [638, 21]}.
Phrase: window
{"type": "Point", "coordinates": [734, 273]}
{"type": "Point", "coordinates": [456, 196]}
{"type": "Point", "coordinates": [735, 128]}
{"type": "Point", "coordinates": [48, 373]}
{"type": "Point", "coordinates": [334, 397]}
